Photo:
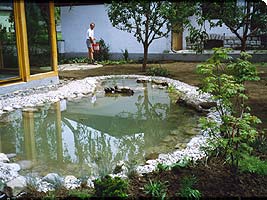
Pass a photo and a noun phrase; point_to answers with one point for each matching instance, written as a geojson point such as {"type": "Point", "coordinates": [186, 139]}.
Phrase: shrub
{"type": "Point", "coordinates": [224, 79]}
{"type": "Point", "coordinates": [111, 187]}
{"type": "Point", "coordinates": [253, 164]}
{"type": "Point", "coordinates": [158, 71]}
{"type": "Point", "coordinates": [156, 189]}
{"type": "Point", "coordinates": [103, 53]}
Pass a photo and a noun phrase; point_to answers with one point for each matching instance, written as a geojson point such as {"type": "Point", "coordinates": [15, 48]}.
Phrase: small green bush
{"type": "Point", "coordinates": [125, 54]}
{"type": "Point", "coordinates": [157, 71]}
{"type": "Point", "coordinates": [253, 164]}
{"type": "Point", "coordinates": [156, 189]}
{"type": "Point", "coordinates": [186, 190]}
{"type": "Point", "coordinates": [111, 187]}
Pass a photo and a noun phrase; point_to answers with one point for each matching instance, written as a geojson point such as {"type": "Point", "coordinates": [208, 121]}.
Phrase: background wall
{"type": "Point", "coordinates": [75, 22]}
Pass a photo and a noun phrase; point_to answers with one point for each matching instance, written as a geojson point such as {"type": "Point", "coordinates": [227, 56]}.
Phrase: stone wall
{"type": "Point", "coordinates": [233, 42]}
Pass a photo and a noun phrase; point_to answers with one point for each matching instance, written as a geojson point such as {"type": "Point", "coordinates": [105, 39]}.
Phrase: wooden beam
{"type": "Point", "coordinates": [53, 36]}
{"type": "Point", "coordinates": [22, 41]}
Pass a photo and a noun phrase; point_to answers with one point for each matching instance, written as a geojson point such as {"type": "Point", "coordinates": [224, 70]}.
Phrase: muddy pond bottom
{"type": "Point", "coordinates": [87, 137]}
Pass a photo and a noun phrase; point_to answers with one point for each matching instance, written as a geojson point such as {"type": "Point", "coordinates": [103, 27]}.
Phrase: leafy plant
{"type": "Point", "coordinates": [156, 189]}
{"type": "Point", "coordinates": [111, 187]}
{"type": "Point", "coordinates": [183, 163]}
{"type": "Point", "coordinates": [157, 71]}
{"type": "Point", "coordinates": [103, 53]}
{"type": "Point", "coordinates": [224, 79]}
{"type": "Point", "coordinates": [186, 189]}
{"type": "Point", "coordinates": [171, 88]}
{"type": "Point", "coordinates": [253, 164]}
{"type": "Point", "coordinates": [162, 167]}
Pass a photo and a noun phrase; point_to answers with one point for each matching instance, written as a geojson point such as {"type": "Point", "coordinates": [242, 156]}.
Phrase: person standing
{"type": "Point", "coordinates": [90, 41]}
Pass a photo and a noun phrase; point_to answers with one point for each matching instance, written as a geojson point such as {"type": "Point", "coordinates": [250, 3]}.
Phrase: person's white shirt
{"type": "Point", "coordinates": [90, 33]}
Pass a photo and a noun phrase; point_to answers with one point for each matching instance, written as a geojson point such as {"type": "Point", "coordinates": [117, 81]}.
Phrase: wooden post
{"type": "Point", "coordinates": [53, 36]}
{"type": "Point", "coordinates": [59, 133]}
{"type": "Point", "coordinates": [29, 138]}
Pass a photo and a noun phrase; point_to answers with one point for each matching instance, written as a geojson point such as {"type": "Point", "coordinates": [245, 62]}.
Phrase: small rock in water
{"type": "Point", "coordinates": [11, 155]}
{"type": "Point", "coordinates": [8, 109]}
{"type": "Point", "coordinates": [29, 110]}
{"type": "Point", "coordinates": [142, 80]}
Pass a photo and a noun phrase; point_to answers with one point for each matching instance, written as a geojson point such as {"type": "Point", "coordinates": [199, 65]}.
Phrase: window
{"type": "Point", "coordinates": [9, 68]}
{"type": "Point", "coordinates": [38, 32]}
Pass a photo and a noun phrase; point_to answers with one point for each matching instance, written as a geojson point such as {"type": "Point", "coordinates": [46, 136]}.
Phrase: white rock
{"type": "Point", "coordinates": [71, 182]}
{"type": "Point", "coordinates": [9, 171]}
{"type": "Point", "coordinates": [90, 183]}
{"type": "Point", "coordinates": [17, 106]}
{"type": "Point", "coordinates": [52, 177]}
{"type": "Point", "coordinates": [18, 182]}
{"type": "Point", "coordinates": [3, 158]}
{"type": "Point", "coordinates": [8, 108]}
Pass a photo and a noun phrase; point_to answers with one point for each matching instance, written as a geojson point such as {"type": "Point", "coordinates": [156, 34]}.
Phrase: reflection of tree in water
{"type": "Point", "coordinates": [151, 118]}
{"type": "Point", "coordinates": [99, 150]}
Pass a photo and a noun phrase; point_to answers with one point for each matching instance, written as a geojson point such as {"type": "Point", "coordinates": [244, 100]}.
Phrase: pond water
{"type": "Point", "coordinates": [89, 136]}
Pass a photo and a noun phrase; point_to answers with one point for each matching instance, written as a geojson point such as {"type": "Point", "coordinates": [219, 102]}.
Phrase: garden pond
{"type": "Point", "coordinates": [88, 136]}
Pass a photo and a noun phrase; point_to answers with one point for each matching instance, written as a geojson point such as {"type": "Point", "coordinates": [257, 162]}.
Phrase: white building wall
{"type": "Point", "coordinates": [75, 22]}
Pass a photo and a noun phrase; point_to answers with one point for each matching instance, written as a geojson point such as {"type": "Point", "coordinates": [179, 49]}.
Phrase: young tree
{"type": "Point", "coordinates": [148, 20]}
{"type": "Point", "coordinates": [143, 19]}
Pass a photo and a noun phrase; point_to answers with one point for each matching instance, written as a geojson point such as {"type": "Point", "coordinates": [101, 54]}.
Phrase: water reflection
{"type": "Point", "coordinates": [85, 138]}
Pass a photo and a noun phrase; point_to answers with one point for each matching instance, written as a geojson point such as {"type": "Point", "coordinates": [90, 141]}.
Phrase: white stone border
{"type": "Point", "coordinates": [79, 88]}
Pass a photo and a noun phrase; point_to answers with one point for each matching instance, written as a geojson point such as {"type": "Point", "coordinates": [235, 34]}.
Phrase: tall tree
{"type": "Point", "coordinates": [243, 18]}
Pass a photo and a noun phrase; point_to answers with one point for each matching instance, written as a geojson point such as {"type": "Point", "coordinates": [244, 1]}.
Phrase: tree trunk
{"type": "Point", "coordinates": [243, 44]}
{"type": "Point", "coordinates": [145, 57]}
